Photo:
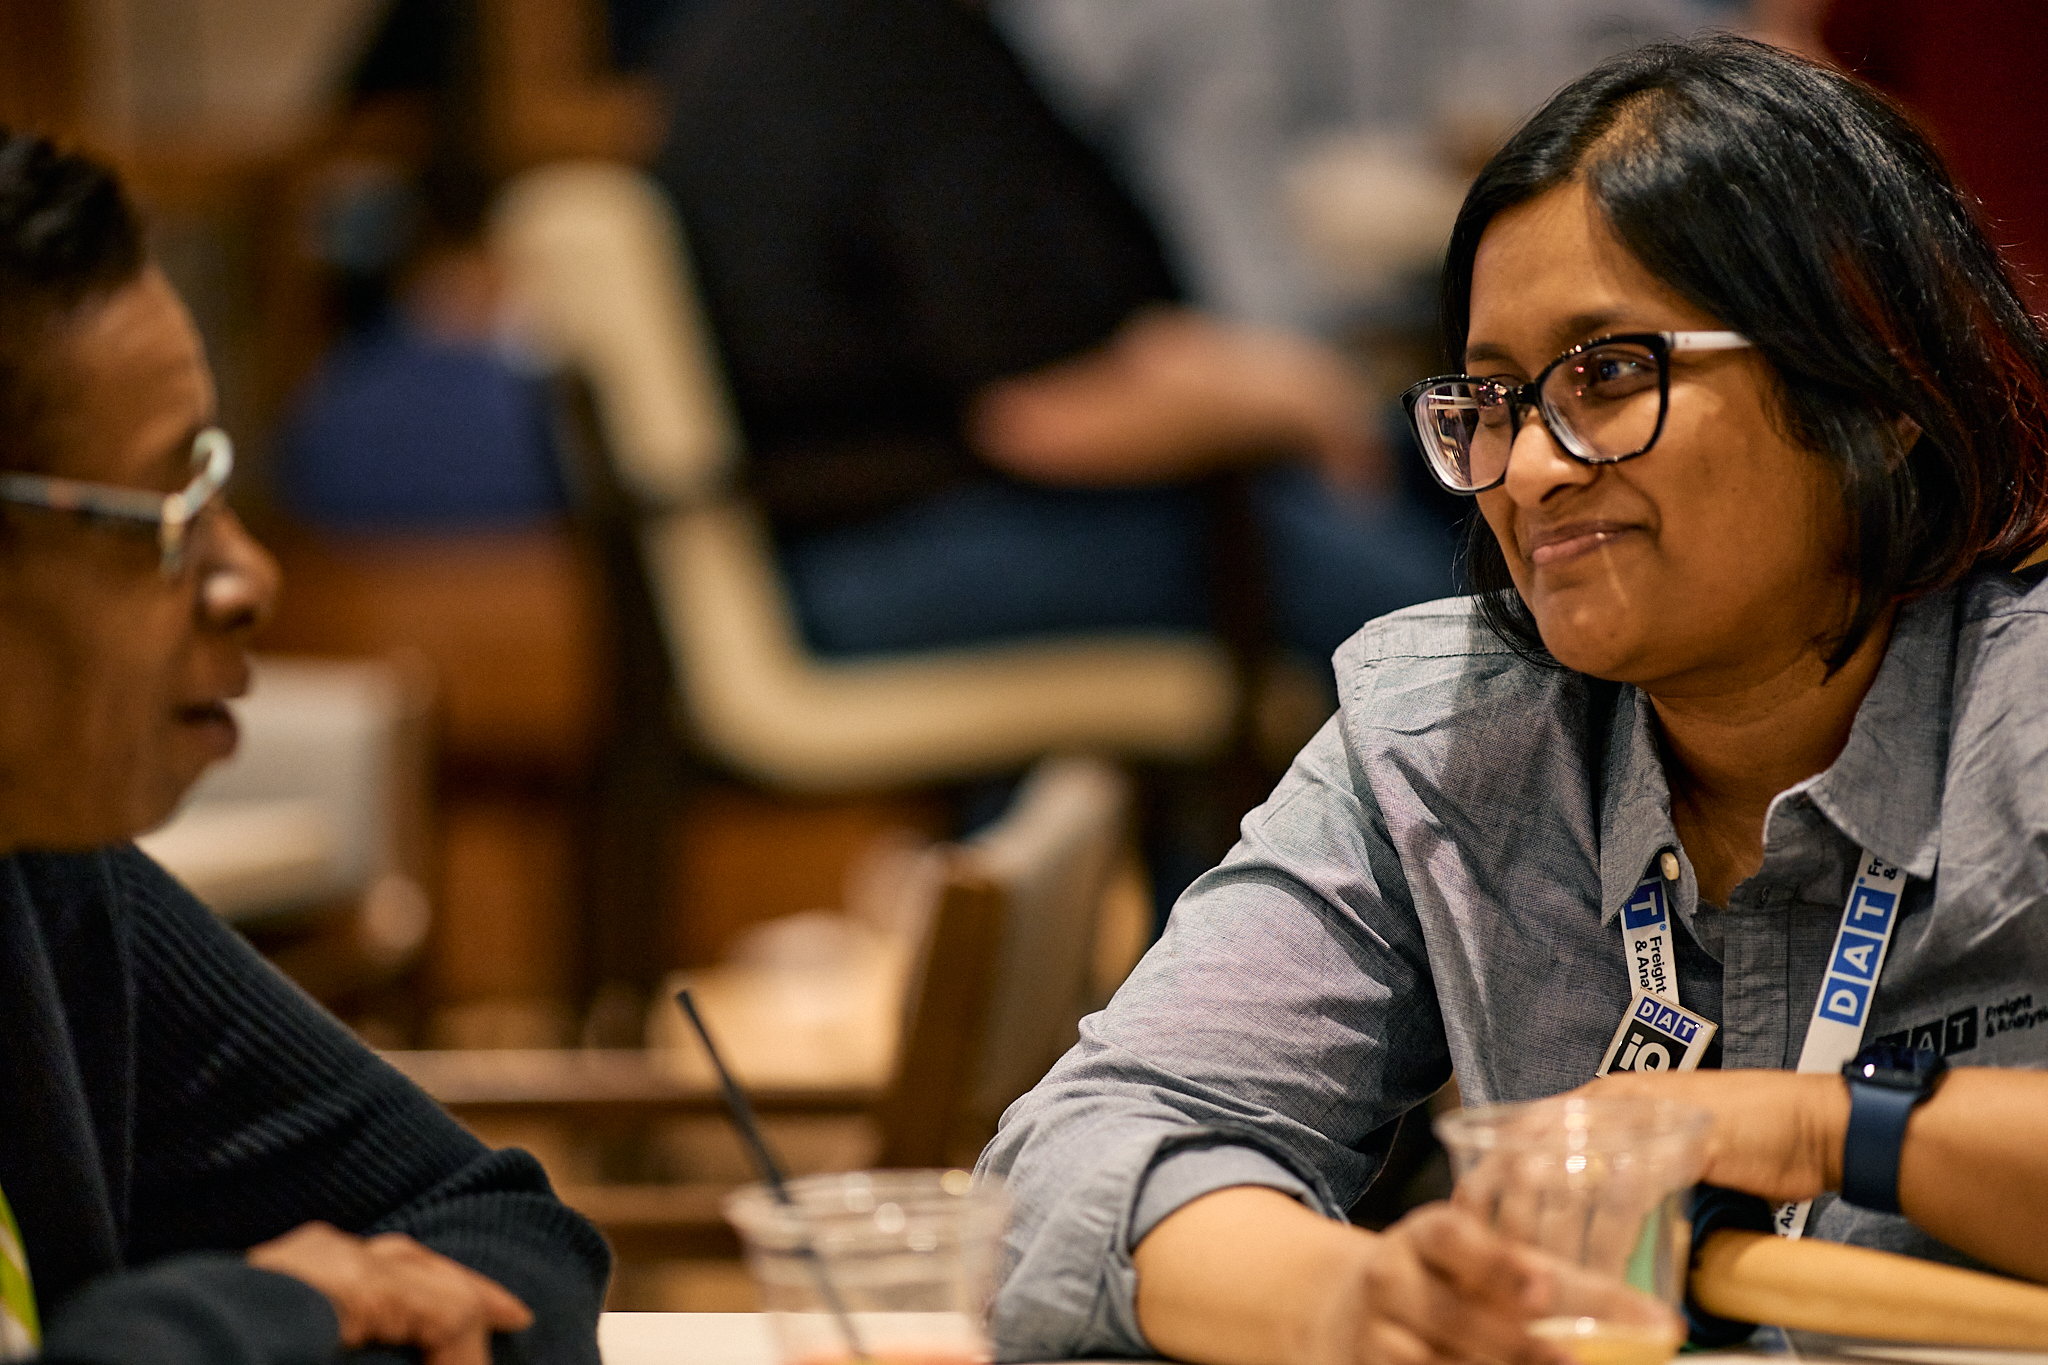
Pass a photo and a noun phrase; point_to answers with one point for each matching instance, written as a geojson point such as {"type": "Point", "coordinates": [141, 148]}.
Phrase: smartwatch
{"type": "Point", "coordinates": [1885, 1081]}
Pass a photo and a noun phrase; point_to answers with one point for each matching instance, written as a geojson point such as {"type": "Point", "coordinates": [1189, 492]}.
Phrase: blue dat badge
{"type": "Point", "coordinates": [1656, 1035]}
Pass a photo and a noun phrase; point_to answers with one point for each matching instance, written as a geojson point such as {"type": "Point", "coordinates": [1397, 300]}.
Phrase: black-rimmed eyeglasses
{"type": "Point", "coordinates": [1603, 400]}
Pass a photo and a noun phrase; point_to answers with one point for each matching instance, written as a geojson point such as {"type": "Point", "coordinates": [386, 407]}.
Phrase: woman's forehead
{"type": "Point", "coordinates": [1550, 273]}
{"type": "Point", "coordinates": [129, 387]}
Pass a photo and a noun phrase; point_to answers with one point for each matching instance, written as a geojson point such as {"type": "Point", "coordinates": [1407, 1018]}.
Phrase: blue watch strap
{"type": "Point", "coordinates": [1870, 1150]}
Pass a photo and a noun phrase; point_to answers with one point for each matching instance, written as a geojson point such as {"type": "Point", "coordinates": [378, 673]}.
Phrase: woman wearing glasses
{"type": "Point", "coordinates": [1745, 726]}
{"type": "Point", "coordinates": [197, 1164]}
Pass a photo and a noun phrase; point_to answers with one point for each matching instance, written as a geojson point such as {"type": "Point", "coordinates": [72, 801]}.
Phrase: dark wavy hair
{"type": "Point", "coordinates": [68, 236]}
{"type": "Point", "coordinates": [1800, 207]}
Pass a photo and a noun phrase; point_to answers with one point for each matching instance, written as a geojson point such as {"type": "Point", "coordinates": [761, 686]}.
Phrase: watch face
{"type": "Point", "coordinates": [1895, 1067]}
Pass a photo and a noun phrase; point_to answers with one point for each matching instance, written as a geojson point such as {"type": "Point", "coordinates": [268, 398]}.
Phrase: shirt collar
{"type": "Point", "coordinates": [1883, 791]}
{"type": "Point", "coordinates": [1635, 809]}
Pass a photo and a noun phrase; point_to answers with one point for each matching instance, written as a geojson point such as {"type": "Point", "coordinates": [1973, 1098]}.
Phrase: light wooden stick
{"type": "Point", "coordinates": [1857, 1292]}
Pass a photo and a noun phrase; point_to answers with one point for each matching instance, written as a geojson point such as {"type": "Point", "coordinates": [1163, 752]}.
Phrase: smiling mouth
{"type": "Point", "coordinates": [1575, 543]}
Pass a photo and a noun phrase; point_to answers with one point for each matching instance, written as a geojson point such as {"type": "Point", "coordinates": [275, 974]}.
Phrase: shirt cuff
{"type": "Point", "coordinates": [1186, 1175]}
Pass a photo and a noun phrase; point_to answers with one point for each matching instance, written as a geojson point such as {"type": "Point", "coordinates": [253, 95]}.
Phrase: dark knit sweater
{"type": "Point", "coordinates": [169, 1100]}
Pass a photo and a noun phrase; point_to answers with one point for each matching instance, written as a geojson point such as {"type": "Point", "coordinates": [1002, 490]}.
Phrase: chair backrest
{"type": "Point", "coordinates": [601, 284]}
{"type": "Point", "coordinates": [923, 1116]}
{"type": "Point", "coordinates": [1053, 857]}
{"type": "Point", "coordinates": [1004, 973]}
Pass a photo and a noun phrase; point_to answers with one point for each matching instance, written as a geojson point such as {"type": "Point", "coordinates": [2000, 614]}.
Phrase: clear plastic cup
{"type": "Point", "coordinates": [905, 1260]}
{"type": "Point", "coordinates": [1598, 1185]}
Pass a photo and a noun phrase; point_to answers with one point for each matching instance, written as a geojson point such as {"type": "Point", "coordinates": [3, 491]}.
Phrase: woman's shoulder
{"type": "Point", "coordinates": [1448, 628]}
{"type": "Point", "coordinates": [1431, 697]}
{"type": "Point", "coordinates": [1432, 663]}
{"type": "Point", "coordinates": [1998, 725]}
{"type": "Point", "coordinates": [1989, 595]}
{"type": "Point", "coordinates": [2002, 639]}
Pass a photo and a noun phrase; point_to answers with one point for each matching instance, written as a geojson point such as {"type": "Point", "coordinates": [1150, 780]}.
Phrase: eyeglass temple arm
{"type": "Point", "coordinates": [1707, 341]}
{"type": "Point", "coordinates": [182, 506]}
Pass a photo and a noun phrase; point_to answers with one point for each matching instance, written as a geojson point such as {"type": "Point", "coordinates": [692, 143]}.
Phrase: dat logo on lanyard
{"type": "Point", "coordinates": [1657, 1033]}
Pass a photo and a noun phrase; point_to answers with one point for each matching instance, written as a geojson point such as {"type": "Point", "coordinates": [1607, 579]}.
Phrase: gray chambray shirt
{"type": "Point", "coordinates": [1436, 883]}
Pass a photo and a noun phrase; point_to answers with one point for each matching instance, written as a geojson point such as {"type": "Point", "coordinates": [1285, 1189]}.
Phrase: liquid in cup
{"type": "Point", "coordinates": [910, 1255]}
{"type": "Point", "coordinates": [1597, 1185]}
{"type": "Point", "coordinates": [1603, 1341]}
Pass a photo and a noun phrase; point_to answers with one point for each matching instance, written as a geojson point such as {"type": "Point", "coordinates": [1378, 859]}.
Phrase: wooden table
{"type": "Point", "coordinates": [744, 1339]}
{"type": "Point", "coordinates": [680, 1338]}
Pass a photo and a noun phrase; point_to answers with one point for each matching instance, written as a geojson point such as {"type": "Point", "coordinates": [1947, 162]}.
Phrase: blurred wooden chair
{"type": "Point", "coordinates": [1004, 968]}
{"type": "Point", "coordinates": [315, 839]}
{"type": "Point", "coordinates": [596, 266]}
{"type": "Point", "coordinates": [510, 625]}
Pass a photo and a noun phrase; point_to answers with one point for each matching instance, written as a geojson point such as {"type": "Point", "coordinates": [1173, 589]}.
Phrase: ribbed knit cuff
{"type": "Point", "coordinates": [204, 1309]}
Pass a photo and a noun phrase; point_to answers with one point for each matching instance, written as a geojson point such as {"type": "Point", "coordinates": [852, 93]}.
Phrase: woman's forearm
{"type": "Point", "coordinates": [1246, 1276]}
{"type": "Point", "coordinates": [1974, 1171]}
{"type": "Point", "coordinates": [1237, 1278]}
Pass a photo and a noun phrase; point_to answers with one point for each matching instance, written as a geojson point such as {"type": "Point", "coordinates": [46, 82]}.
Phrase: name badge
{"type": "Point", "coordinates": [1657, 1035]}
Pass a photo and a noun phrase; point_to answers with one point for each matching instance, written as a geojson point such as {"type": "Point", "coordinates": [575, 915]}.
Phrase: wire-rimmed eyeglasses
{"type": "Point", "coordinates": [172, 514]}
{"type": "Point", "coordinates": [1603, 400]}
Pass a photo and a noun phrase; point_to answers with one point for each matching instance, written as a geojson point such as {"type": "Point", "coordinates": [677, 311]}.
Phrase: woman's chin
{"type": "Point", "coordinates": [1596, 644]}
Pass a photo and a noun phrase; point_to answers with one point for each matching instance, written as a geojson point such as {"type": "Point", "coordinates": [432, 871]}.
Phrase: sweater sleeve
{"type": "Point", "coordinates": [254, 1112]}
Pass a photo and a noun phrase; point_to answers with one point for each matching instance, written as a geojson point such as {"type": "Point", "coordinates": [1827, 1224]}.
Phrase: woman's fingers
{"type": "Point", "coordinates": [1458, 1289]}
{"type": "Point", "coordinates": [1388, 1343]}
{"type": "Point", "coordinates": [393, 1291]}
{"type": "Point", "coordinates": [1474, 1259]}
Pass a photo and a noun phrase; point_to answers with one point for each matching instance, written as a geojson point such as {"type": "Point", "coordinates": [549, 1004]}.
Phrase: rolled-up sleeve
{"type": "Point", "coordinates": [1271, 1037]}
{"type": "Point", "coordinates": [1188, 1173]}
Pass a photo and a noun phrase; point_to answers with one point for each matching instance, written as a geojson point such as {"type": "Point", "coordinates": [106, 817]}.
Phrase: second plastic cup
{"type": "Point", "coordinates": [1598, 1185]}
{"type": "Point", "coordinates": [906, 1259]}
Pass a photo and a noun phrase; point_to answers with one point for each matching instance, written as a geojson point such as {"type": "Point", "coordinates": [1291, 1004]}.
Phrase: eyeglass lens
{"type": "Point", "coordinates": [1602, 405]}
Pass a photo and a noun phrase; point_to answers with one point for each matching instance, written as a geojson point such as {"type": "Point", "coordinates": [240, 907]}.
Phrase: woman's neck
{"type": "Point", "coordinates": [1729, 751]}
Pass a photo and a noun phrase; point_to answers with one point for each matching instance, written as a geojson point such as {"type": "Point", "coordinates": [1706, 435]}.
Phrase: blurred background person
{"type": "Point", "coordinates": [1211, 109]}
{"type": "Point", "coordinates": [974, 402]}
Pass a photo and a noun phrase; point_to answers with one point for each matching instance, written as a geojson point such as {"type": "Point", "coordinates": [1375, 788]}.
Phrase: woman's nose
{"type": "Point", "coordinates": [1538, 465]}
{"type": "Point", "coordinates": [238, 578]}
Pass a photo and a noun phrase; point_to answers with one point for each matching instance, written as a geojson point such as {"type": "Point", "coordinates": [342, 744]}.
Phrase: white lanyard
{"type": "Point", "coordinates": [1659, 1034]}
{"type": "Point", "coordinates": [1835, 1033]}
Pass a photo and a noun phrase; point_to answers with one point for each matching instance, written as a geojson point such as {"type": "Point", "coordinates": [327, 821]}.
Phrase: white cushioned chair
{"type": "Point", "coordinates": [601, 284]}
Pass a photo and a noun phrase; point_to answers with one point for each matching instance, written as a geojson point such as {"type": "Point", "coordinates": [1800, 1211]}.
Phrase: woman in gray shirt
{"type": "Point", "coordinates": [1758, 431]}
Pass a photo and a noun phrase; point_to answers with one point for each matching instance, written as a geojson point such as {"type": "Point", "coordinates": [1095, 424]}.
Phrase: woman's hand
{"type": "Point", "coordinates": [1438, 1287]}
{"type": "Point", "coordinates": [1246, 1276]}
{"type": "Point", "coordinates": [391, 1291]}
{"type": "Point", "coordinates": [1777, 1134]}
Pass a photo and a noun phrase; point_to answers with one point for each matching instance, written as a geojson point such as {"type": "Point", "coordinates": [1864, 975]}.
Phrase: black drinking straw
{"type": "Point", "coordinates": [764, 1160]}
